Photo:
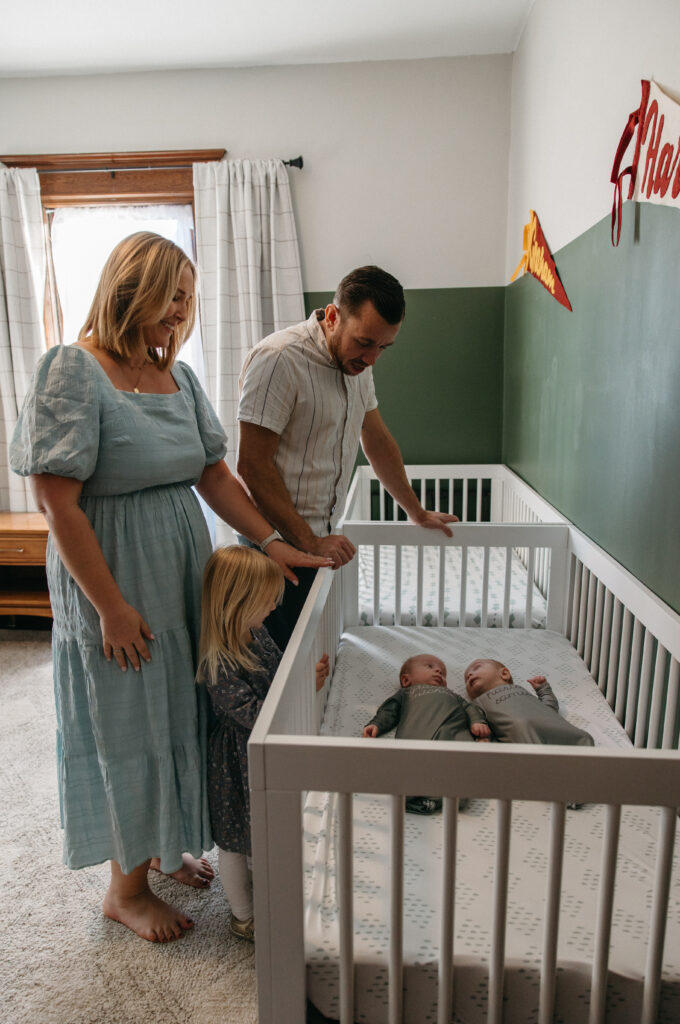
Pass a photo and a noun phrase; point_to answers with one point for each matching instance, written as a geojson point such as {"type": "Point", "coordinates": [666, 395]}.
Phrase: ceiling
{"type": "Point", "coordinates": [42, 37]}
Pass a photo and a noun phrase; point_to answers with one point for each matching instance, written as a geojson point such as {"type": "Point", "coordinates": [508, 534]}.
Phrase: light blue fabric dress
{"type": "Point", "coordinates": [131, 746]}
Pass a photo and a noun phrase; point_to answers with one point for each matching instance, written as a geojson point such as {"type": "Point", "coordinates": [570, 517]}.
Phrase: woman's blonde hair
{"type": "Point", "coordinates": [139, 281]}
{"type": "Point", "coordinates": [236, 583]}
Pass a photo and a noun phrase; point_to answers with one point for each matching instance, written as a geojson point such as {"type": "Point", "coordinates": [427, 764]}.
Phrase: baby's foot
{"type": "Point", "coordinates": [147, 916]}
{"type": "Point", "coordinates": [198, 873]}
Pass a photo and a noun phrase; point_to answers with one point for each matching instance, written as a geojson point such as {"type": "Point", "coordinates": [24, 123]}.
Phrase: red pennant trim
{"type": "Point", "coordinates": [537, 261]}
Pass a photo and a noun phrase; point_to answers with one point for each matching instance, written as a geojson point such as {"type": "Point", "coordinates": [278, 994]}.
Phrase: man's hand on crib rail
{"type": "Point", "coordinates": [435, 521]}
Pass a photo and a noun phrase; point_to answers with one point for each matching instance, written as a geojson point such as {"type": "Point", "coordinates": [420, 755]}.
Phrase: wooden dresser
{"type": "Point", "coordinates": [23, 584]}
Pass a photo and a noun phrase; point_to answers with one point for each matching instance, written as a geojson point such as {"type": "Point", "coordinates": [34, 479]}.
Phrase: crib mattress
{"type": "Point", "coordinates": [366, 671]}
{"type": "Point", "coordinates": [473, 589]}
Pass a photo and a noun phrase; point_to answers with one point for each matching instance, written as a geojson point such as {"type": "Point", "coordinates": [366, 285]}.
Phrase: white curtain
{"type": "Point", "coordinates": [22, 341]}
{"type": "Point", "coordinates": [249, 270]}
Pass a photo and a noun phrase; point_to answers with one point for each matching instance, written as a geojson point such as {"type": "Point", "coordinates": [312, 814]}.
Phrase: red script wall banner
{"type": "Point", "coordinates": [655, 169]}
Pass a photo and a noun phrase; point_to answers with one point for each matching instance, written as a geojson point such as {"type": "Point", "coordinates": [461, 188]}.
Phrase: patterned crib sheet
{"type": "Point", "coordinates": [452, 588]}
{"type": "Point", "coordinates": [366, 673]}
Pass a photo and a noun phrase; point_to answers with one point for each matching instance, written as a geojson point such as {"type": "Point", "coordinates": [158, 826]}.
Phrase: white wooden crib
{"type": "Point", "coordinates": [630, 644]}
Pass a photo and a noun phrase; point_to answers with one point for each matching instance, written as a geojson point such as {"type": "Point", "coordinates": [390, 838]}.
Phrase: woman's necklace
{"type": "Point", "coordinates": [140, 369]}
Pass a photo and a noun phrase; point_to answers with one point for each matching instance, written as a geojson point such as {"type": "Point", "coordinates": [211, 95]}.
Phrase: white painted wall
{"type": "Point", "coordinates": [575, 79]}
{"type": "Point", "coordinates": [405, 161]}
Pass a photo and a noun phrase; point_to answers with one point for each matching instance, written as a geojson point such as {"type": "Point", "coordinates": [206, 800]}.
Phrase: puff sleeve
{"type": "Point", "coordinates": [58, 428]}
{"type": "Point", "coordinates": [210, 429]}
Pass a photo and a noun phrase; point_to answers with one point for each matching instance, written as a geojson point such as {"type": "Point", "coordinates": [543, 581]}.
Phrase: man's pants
{"type": "Point", "coordinates": [281, 622]}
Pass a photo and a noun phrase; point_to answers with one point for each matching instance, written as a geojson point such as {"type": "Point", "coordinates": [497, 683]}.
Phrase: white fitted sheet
{"type": "Point", "coordinates": [473, 590]}
{"type": "Point", "coordinates": [366, 673]}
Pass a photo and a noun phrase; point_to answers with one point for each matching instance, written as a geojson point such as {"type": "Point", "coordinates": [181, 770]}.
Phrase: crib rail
{"type": "Point", "coordinates": [630, 641]}
{"type": "Point", "coordinates": [347, 766]}
{"type": "Point", "coordinates": [474, 492]}
{"type": "Point", "coordinates": [544, 547]}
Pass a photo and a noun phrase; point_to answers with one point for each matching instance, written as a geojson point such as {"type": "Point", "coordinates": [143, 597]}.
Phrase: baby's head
{"type": "Point", "coordinates": [423, 669]}
{"type": "Point", "coordinates": [485, 674]}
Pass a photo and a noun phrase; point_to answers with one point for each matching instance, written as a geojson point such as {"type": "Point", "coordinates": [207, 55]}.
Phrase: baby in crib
{"type": "Point", "coordinates": [425, 709]}
{"type": "Point", "coordinates": [512, 712]}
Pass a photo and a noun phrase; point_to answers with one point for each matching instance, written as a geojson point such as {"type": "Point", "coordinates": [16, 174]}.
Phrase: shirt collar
{"type": "Point", "coordinates": [317, 335]}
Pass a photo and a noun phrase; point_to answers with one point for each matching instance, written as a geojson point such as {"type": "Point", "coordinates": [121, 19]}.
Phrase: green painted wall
{"type": "Point", "coordinates": [440, 387]}
{"type": "Point", "coordinates": [592, 398]}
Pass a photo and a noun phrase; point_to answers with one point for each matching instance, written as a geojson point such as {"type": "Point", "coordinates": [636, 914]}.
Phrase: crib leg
{"type": "Point", "coordinates": [277, 884]}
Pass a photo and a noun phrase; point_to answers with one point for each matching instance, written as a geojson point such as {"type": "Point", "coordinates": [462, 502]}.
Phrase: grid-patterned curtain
{"type": "Point", "coordinates": [249, 267]}
{"type": "Point", "coordinates": [22, 341]}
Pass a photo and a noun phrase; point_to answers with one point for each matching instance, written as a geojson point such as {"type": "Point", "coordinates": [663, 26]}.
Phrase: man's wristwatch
{"type": "Point", "coordinates": [272, 536]}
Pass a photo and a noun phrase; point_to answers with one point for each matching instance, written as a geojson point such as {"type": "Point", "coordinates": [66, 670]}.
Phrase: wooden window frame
{"type": "Point", "coordinates": [97, 179]}
{"type": "Point", "coordinates": [107, 179]}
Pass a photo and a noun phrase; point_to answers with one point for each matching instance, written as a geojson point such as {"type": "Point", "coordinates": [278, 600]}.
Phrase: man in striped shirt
{"type": "Point", "coordinates": [307, 401]}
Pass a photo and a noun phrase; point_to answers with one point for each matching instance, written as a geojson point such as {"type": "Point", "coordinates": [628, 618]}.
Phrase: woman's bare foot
{"type": "Point", "coordinates": [198, 873]}
{"type": "Point", "coordinates": [147, 916]}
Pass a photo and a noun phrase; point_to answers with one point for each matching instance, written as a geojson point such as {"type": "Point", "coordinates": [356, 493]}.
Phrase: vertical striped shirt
{"type": "Point", "coordinates": [291, 385]}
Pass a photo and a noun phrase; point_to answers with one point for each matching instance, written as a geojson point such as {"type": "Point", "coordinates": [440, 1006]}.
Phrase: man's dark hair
{"type": "Point", "coordinates": [373, 285]}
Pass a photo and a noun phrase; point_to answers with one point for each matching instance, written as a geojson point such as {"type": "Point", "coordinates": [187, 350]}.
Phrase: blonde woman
{"type": "Point", "coordinates": [237, 663]}
{"type": "Point", "coordinates": [113, 434]}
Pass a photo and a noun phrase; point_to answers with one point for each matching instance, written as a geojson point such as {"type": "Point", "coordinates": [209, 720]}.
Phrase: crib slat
{"type": "Point", "coordinates": [396, 969]}
{"type": "Point", "coordinates": [478, 511]}
{"type": "Point", "coordinates": [590, 620]}
{"type": "Point", "coordinates": [485, 588]}
{"type": "Point", "coordinates": [670, 717]}
{"type": "Point", "coordinates": [657, 929]}
{"type": "Point", "coordinates": [500, 901]}
{"type": "Point", "coordinates": [656, 712]}
{"type": "Point", "coordinates": [506, 593]}
{"type": "Point", "coordinates": [442, 581]}
{"type": "Point", "coordinates": [445, 989]}
{"type": "Point", "coordinates": [345, 901]}
{"type": "Point", "coordinates": [575, 602]}
{"type": "Point", "coordinates": [582, 621]}
{"type": "Point", "coordinates": [598, 987]}
{"type": "Point", "coordinates": [528, 607]}
{"type": "Point", "coordinates": [645, 691]}
{"type": "Point", "coordinates": [465, 517]}
{"type": "Point", "coordinates": [376, 584]}
{"type": "Point", "coordinates": [397, 585]}
{"type": "Point", "coordinates": [614, 653]}
{"type": "Point", "coordinates": [463, 584]}
{"type": "Point", "coordinates": [597, 629]}
{"type": "Point", "coordinates": [603, 661]}
{"type": "Point", "coordinates": [546, 1004]}
{"type": "Point", "coordinates": [633, 679]}
{"type": "Point", "coordinates": [420, 555]}
{"type": "Point", "coordinates": [622, 679]}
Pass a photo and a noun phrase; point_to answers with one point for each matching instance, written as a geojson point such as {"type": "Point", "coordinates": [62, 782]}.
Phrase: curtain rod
{"type": "Point", "coordinates": [295, 162]}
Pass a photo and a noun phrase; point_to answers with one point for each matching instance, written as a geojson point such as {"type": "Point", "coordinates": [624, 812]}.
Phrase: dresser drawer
{"type": "Point", "coordinates": [22, 548]}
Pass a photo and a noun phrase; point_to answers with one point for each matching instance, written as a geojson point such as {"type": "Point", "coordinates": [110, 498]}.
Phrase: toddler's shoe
{"type": "Point", "coordinates": [243, 929]}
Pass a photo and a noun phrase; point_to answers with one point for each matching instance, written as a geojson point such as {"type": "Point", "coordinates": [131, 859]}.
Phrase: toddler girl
{"type": "Point", "coordinates": [238, 660]}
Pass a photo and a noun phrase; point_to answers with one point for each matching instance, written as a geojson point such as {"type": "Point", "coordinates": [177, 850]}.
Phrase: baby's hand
{"type": "Point", "coordinates": [370, 732]}
{"type": "Point", "coordinates": [322, 670]}
{"type": "Point", "coordinates": [480, 730]}
{"type": "Point", "coordinates": [537, 681]}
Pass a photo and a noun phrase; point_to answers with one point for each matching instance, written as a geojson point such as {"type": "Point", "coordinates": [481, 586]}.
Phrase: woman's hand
{"type": "Point", "coordinates": [124, 636]}
{"type": "Point", "coordinates": [286, 555]}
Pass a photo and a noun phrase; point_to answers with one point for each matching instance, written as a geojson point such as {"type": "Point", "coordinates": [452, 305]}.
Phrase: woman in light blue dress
{"type": "Point", "coordinates": [113, 434]}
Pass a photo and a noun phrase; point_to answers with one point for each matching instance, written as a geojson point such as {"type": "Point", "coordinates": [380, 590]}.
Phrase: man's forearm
{"type": "Point", "coordinates": [269, 493]}
{"type": "Point", "coordinates": [386, 461]}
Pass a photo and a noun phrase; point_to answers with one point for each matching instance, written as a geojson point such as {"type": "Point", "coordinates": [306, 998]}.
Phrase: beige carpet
{"type": "Point", "coordinates": [62, 961]}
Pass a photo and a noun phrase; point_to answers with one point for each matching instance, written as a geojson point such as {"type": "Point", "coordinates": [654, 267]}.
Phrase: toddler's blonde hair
{"type": "Point", "coordinates": [137, 284]}
{"type": "Point", "coordinates": [237, 581]}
